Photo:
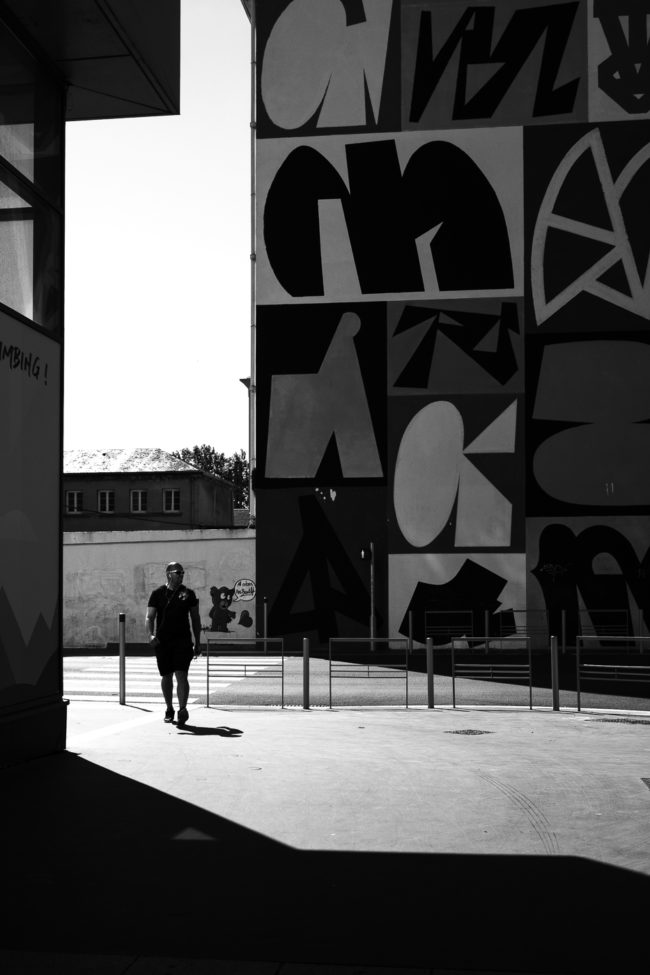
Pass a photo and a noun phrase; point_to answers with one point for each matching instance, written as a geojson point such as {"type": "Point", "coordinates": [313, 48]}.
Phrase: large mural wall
{"type": "Point", "coordinates": [453, 312]}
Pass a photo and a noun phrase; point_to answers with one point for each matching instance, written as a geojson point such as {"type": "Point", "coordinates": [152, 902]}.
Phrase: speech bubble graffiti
{"type": "Point", "coordinates": [244, 589]}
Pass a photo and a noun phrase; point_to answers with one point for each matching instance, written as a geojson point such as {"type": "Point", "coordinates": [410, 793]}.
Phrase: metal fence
{"type": "Point", "coordinates": [502, 671]}
{"type": "Point", "coordinates": [377, 659]}
{"type": "Point", "coordinates": [262, 658]}
{"type": "Point", "coordinates": [610, 671]}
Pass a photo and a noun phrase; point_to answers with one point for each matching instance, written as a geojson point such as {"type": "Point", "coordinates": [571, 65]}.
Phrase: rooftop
{"type": "Point", "coordinates": [123, 460]}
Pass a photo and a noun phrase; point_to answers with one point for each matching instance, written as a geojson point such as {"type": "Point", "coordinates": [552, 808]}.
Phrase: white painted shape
{"type": "Point", "coordinates": [484, 515]}
{"type": "Point", "coordinates": [313, 57]}
{"type": "Point", "coordinates": [337, 259]}
{"type": "Point", "coordinates": [425, 257]}
{"type": "Point", "coordinates": [499, 436]}
{"type": "Point", "coordinates": [427, 472]}
{"type": "Point", "coordinates": [361, 57]}
{"type": "Point", "coordinates": [297, 61]}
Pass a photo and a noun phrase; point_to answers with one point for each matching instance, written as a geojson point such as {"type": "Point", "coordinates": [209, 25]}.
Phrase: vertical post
{"type": "Point", "coordinates": [563, 632]}
{"type": "Point", "coordinates": [430, 702]}
{"type": "Point", "coordinates": [372, 596]}
{"type": "Point", "coordinates": [486, 627]}
{"type": "Point", "coordinates": [453, 673]}
{"type": "Point", "coordinates": [555, 683]}
{"type": "Point", "coordinates": [121, 627]}
{"type": "Point", "coordinates": [265, 631]}
{"type": "Point", "coordinates": [305, 673]}
{"type": "Point", "coordinates": [207, 671]}
{"type": "Point", "coordinates": [578, 671]}
{"type": "Point", "coordinates": [410, 642]}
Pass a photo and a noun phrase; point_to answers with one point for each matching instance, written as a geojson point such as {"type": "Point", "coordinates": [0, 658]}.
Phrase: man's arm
{"type": "Point", "coordinates": [196, 628]}
{"type": "Point", "coordinates": [148, 625]}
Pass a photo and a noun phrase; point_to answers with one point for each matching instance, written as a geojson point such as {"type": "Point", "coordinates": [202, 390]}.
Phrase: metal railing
{"type": "Point", "coordinates": [611, 671]}
{"type": "Point", "coordinates": [511, 670]}
{"type": "Point", "coordinates": [261, 658]}
{"type": "Point", "coordinates": [373, 667]}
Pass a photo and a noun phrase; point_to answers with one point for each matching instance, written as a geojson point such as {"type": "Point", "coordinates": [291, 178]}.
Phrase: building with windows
{"type": "Point", "coordinates": [141, 489]}
{"type": "Point", "coordinates": [61, 61]}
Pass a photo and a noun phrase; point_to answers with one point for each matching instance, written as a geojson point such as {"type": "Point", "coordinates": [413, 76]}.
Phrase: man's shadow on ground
{"type": "Point", "coordinates": [223, 731]}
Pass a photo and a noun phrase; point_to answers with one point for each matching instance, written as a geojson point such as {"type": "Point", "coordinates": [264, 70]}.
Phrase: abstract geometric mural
{"type": "Point", "coordinates": [492, 64]}
{"type": "Point", "coordinates": [321, 394]}
{"type": "Point", "coordinates": [452, 270]}
{"type": "Point", "coordinates": [413, 215]}
{"type": "Point", "coordinates": [619, 59]}
{"type": "Point", "coordinates": [591, 243]}
{"type": "Point", "coordinates": [307, 411]}
{"type": "Point", "coordinates": [456, 474]}
{"type": "Point", "coordinates": [589, 431]}
{"type": "Point", "coordinates": [309, 562]}
{"type": "Point", "coordinates": [420, 584]}
{"type": "Point", "coordinates": [327, 65]}
{"type": "Point", "coordinates": [595, 570]}
{"type": "Point", "coordinates": [473, 347]}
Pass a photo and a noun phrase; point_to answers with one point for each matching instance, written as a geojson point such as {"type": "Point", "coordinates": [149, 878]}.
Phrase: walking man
{"type": "Point", "coordinates": [173, 608]}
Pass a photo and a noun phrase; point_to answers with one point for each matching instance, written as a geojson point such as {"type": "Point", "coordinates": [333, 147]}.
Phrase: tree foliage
{"type": "Point", "coordinates": [211, 461]}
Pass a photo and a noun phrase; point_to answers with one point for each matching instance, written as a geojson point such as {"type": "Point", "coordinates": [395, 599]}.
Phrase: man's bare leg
{"type": "Point", "coordinates": [182, 689]}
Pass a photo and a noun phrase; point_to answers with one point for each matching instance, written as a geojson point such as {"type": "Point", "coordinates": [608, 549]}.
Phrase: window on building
{"type": "Point", "coordinates": [74, 502]}
{"type": "Point", "coordinates": [138, 501]}
{"type": "Point", "coordinates": [106, 502]}
{"type": "Point", "coordinates": [171, 500]}
{"type": "Point", "coordinates": [31, 243]}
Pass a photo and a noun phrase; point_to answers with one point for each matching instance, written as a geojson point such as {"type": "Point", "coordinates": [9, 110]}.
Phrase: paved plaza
{"type": "Point", "coordinates": [264, 841]}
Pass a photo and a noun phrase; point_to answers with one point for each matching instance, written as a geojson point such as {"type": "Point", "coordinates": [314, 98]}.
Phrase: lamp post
{"type": "Point", "coordinates": [369, 553]}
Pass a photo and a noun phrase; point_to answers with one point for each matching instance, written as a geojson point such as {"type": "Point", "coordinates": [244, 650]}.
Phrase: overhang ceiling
{"type": "Point", "coordinates": [121, 58]}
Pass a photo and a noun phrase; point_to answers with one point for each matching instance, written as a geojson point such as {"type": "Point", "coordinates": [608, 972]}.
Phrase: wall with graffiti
{"type": "Point", "coordinates": [453, 312]}
{"type": "Point", "coordinates": [108, 573]}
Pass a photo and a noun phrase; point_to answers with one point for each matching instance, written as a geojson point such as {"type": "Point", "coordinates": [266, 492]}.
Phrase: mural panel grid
{"type": "Point", "coordinates": [453, 303]}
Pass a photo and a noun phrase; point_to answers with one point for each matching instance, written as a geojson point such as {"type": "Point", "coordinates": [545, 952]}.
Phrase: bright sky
{"type": "Point", "coordinates": [157, 299]}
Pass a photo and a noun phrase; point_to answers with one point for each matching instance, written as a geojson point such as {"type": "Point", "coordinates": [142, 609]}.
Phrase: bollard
{"type": "Point", "coordinates": [555, 683]}
{"type": "Point", "coordinates": [266, 623]}
{"type": "Point", "coordinates": [430, 703]}
{"type": "Point", "coordinates": [121, 628]}
{"type": "Point", "coordinates": [305, 673]}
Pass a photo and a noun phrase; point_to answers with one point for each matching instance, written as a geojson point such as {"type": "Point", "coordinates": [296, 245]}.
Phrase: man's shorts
{"type": "Point", "coordinates": [173, 656]}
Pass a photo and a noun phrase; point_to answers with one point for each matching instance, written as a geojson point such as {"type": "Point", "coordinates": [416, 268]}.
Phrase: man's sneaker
{"type": "Point", "coordinates": [182, 717]}
{"type": "Point", "coordinates": [169, 715]}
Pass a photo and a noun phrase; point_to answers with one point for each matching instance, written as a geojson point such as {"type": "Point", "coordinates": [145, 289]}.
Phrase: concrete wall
{"type": "Point", "coordinates": [106, 573]}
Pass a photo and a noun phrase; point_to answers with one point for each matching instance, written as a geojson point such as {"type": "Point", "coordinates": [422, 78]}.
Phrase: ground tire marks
{"type": "Point", "coordinates": [533, 813]}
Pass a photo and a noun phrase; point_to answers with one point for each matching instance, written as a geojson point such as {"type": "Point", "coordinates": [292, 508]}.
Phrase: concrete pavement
{"type": "Point", "coordinates": [267, 841]}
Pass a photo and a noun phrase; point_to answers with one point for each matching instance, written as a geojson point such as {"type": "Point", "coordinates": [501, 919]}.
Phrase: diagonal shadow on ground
{"type": "Point", "coordinates": [96, 862]}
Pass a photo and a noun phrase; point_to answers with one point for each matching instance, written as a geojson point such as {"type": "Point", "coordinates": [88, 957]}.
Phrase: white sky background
{"type": "Point", "coordinates": [157, 299]}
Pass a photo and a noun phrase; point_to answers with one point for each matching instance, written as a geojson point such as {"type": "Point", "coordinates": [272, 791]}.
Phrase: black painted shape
{"type": "Point", "coordinates": [634, 208]}
{"type": "Point", "coordinates": [501, 363]}
{"type": "Point", "coordinates": [354, 12]}
{"type": "Point", "coordinates": [291, 232]}
{"type": "Point", "coordinates": [415, 374]}
{"type": "Point", "coordinates": [567, 257]}
{"type": "Point", "coordinates": [473, 589]}
{"type": "Point", "coordinates": [319, 552]}
{"type": "Point", "coordinates": [471, 250]}
{"type": "Point", "coordinates": [616, 277]}
{"type": "Point", "coordinates": [329, 470]}
{"type": "Point", "coordinates": [581, 196]}
{"type": "Point", "coordinates": [618, 75]}
{"type": "Point", "coordinates": [473, 34]}
{"type": "Point", "coordinates": [385, 213]}
{"type": "Point", "coordinates": [565, 567]}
